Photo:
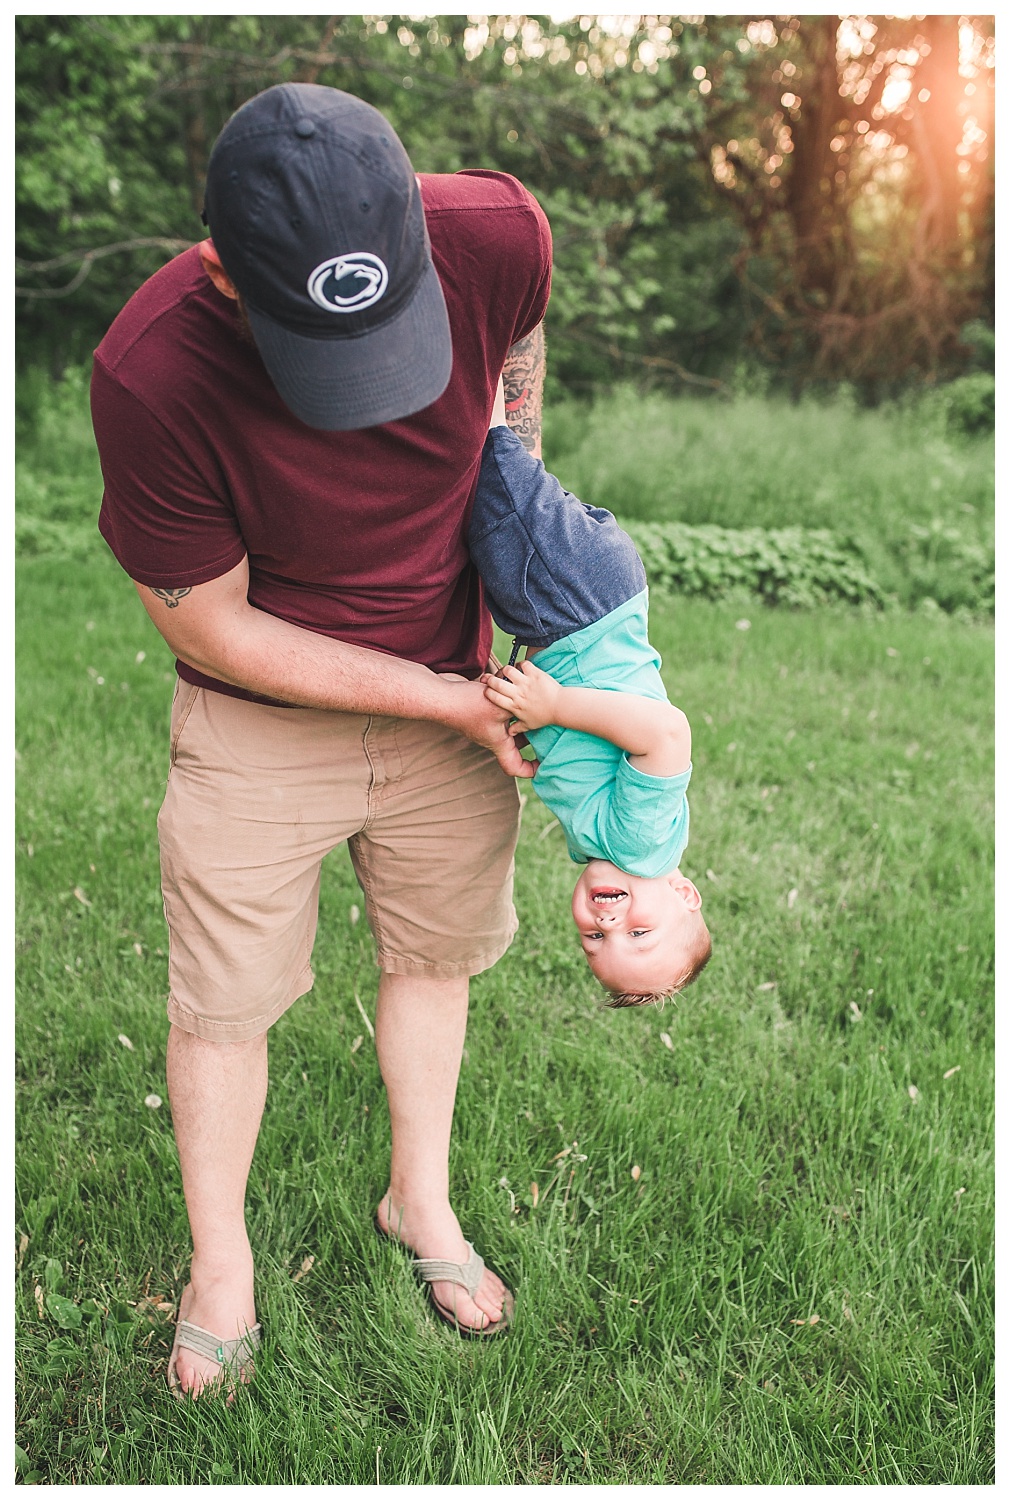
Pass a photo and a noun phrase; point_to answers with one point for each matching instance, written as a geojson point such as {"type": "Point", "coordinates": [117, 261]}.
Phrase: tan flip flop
{"type": "Point", "coordinates": [235, 1356]}
{"type": "Point", "coordinates": [429, 1269]}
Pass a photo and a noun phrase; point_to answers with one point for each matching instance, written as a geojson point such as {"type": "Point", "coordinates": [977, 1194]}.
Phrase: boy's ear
{"type": "Point", "coordinates": [687, 891]}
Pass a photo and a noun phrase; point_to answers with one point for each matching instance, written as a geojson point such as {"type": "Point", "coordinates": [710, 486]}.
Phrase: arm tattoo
{"type": "Point", "coordinates": [171, 596]}
{"type": "Point", "coordinates": [523, 378]}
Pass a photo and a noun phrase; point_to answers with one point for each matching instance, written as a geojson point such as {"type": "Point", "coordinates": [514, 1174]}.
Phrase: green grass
{"type": "Point", "coordinates": [666, 1333]}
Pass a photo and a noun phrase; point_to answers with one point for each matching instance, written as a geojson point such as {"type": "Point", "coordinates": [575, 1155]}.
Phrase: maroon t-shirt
{"type": "Point", "coordinates": [356, 535]}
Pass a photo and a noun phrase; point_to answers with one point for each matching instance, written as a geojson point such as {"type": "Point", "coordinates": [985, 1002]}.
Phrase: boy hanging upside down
{"type": "Point", "coordinates": [614, 754]}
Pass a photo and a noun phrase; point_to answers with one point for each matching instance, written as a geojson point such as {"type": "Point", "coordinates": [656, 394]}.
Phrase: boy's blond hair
{"type": "Point", "coordinates": [623, 999]}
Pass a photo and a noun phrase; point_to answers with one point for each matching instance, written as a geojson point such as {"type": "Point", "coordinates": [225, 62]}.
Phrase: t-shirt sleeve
{"type": "Point", "coordinates": [524, 256]}
{"type": "Point", "coordinates": [644, 824]}
{"type": "Point", "coordinates": [537, 247]}
{"type": "Point", "coordinates": [161, 516]}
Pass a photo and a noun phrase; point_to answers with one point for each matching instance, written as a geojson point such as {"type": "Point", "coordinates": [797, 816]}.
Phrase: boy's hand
{"type": "Point", "coordinates": [528, 694]}
{"type": "Point", "coordinates": [471, 714]}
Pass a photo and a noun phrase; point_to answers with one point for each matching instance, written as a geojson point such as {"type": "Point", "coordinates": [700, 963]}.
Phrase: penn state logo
{"type": "Point", "coordinates": [348, 283]}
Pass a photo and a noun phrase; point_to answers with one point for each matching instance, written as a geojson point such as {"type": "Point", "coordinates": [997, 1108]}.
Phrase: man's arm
{"type": "Point", "coordinates": [214, 628]}
{"type": "Point", "coordinates": [523, 377]}
{"type": "Point", "coordinates": [656, 735]}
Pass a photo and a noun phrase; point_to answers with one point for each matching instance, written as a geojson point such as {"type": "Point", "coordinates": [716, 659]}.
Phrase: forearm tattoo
{"type": "Point", "coordinates": [171, 596]}
{"type": "Point", "coordinates": [523, 378]}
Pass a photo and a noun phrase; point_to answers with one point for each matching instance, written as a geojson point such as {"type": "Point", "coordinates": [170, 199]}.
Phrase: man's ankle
{"type": "Point", "coordinates": [209, 1269]}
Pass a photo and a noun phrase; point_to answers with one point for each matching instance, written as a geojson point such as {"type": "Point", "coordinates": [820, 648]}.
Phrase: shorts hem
{"type": "Point", "coordinates": [392, 963]}
{"type": "Point", "coordinates": [237, 1031]}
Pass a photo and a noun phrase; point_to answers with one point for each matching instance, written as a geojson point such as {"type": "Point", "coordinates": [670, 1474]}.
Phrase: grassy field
{"type": "Point", "coordinates": [916, 498]}
{"type": "Point", "coordinates": [759, 1249]}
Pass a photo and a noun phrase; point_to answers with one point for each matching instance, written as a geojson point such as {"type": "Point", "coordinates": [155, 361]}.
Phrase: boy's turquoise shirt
{"type": "Point", "coordinates": [607, 808]}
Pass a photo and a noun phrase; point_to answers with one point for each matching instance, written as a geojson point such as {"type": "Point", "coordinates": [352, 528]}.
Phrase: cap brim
{"type": "Point", "coordinates": [341, 383]}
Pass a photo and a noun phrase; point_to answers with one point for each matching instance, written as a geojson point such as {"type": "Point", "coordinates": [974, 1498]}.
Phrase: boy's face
{"type": "Point", "coordinates": [636, 933]}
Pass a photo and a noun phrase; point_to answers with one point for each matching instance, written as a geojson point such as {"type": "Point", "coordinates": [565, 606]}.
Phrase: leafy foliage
{"type": "Point", "coordinates": [792, 566]}
{"type": "Point", "coordinates": [968, 404]}
{"type": "Point", "coordinates": [724, 191]}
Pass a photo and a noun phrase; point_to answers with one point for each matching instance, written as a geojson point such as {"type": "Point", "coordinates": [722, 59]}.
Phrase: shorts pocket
{"type": "Point", "coordinates": [186, 694]}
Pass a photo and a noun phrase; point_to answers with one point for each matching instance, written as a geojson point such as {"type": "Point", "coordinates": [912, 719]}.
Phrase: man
{"type": "Point", "coordinates": [290, 419]}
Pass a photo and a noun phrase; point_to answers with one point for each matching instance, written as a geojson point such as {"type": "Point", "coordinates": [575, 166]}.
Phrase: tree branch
{"type": "Point", "coordinates": [87, 259]}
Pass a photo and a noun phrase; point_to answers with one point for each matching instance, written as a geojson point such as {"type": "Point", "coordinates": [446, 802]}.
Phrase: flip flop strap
{"type": "Point", "coordinates": [227, 1352]}
{"type": "Point", "coordinates": [468, 1276]}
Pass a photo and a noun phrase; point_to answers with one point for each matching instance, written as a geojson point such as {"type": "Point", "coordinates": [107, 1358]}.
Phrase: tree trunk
{"type": "Point", "coordinates": [812, 197]}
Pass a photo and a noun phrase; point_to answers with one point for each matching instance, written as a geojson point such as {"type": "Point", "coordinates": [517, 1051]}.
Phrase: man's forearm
{"type": "Point", "coordinates": [275, 659]}
{"type": "Point", "coordinates": [214, 628]}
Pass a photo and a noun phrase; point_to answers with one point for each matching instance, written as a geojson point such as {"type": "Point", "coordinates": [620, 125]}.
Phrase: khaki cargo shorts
{"type": "Point", "coordinates": [257, 796]}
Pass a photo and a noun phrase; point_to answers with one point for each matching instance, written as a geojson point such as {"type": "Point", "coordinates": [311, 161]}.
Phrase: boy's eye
{"type": "Point", "coordinates": [639, 931]}
{"type": "Point", "coordinates": [592, 937]}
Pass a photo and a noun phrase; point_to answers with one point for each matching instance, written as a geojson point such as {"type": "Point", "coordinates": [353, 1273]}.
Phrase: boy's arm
{"type": "Point", "coordinates": [656, 735]}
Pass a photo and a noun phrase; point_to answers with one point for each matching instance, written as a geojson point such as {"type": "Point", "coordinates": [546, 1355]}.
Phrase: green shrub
{"type": "Point", "coordinates": [969, 403]}
{"type": "Point", "coordinates": [981, 340]}
{"type": "Point", "coordinates": [792, 566]}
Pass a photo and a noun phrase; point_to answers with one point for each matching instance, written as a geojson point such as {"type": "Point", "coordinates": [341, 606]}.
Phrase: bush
{"type": "Point", "coordinates": [969, 403]}
{"type": "Point", "coordinates": [793, 566]}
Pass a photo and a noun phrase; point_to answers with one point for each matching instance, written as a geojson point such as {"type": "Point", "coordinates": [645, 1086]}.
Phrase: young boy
{"type": "Point", "coordinates": [614, 754]}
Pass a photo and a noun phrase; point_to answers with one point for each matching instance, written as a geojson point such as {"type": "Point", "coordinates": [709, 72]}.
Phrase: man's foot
{"type": "Point", "coordinates": [225, 1309]}
{"type": "Point", "coordinates": [437, 1235]}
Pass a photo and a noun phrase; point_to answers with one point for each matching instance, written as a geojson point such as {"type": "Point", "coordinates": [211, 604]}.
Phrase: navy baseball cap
{"type": "Point", "coordinates": [316, 214]}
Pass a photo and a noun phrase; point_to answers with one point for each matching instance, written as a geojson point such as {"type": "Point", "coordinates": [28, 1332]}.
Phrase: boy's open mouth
{"type": "Point", "coordinates": [606, 895]}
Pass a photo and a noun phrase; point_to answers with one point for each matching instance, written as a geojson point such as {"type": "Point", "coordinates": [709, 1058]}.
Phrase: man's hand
{"type": "Point", "coordinates": [485, 724]}
{"type": "Point", "coordinates": [530, 696]}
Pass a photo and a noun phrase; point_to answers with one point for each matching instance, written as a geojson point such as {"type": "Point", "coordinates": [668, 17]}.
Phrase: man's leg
{"type": "Point", "coordinates": [217, 1091]}
{"type": "Point", "coordinates": [420, 1026]}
